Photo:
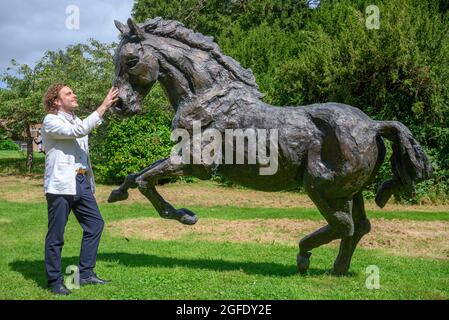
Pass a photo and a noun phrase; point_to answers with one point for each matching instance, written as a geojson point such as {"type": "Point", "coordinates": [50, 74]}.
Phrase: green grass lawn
{"type": "Point", "coordinates": [142, 269]}
{"type": "Point", "coordinates": [11, 154]}
{"type": "Point", "coordinates": [14, 162]}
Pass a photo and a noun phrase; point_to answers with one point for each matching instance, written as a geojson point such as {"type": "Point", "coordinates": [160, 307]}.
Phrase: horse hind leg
{"type": "Point", "coordinates": [362, 226]}
{"type": "Point", "coordinates": [340, 225]}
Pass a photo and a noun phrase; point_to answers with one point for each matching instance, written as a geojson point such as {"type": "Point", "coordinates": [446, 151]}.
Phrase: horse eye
{"type": "Point", "coordinates": [132, 63]}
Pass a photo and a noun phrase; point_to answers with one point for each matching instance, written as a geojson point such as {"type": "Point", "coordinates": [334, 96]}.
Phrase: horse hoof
{"type": "Point", "coordinates": [185, 216]}
{"type": "Point", "coordinates": [340, 271]}
{"type": "Point", "coordinates": [118, 195]}
{"type": "Point", "coordinates": [303, 262]}
{"type": "Point", "coordinates": [384, 193]}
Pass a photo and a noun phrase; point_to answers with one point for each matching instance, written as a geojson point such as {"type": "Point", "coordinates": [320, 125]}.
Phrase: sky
{"type": "Point", "coordinates": [29, 28]}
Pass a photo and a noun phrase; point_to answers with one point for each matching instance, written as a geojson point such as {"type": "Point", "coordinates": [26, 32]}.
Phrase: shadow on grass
{"type": "Point", "coordinates": [34, 269]}
{"type": "Point", "coordinates": [257, 268]}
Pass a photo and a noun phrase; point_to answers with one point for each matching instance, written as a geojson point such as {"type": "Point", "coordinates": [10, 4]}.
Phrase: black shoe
{"type": "Point", "coordinates": [60, 289]}
{"type": "Point", "coordinates": [93, 279]}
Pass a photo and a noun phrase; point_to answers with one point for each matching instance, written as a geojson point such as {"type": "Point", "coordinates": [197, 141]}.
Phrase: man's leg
{"type": "Point", "coordinates": [88, 215]}
{"type": "Point", "coordinates": [58, 212]}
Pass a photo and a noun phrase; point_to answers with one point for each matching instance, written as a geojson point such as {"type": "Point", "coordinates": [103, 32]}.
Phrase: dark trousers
{"type": "Point", "coordinates": [85, 208]}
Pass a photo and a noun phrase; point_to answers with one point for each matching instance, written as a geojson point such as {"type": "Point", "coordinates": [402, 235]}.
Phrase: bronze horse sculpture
{"type": "Point", "coordinates": [331, 150]}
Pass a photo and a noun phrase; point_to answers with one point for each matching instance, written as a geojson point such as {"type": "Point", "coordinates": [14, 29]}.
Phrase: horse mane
{"type": "Point", "coordinates": [177, 31]}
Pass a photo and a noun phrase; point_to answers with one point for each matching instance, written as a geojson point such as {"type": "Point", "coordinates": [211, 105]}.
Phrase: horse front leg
{"type": "Point", "coordinates": [121, 193]}
{"type": "Point", "coordinates": [167, 168]}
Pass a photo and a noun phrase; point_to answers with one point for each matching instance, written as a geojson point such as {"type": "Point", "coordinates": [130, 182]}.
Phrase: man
{"type": "Point", "coordinates": [69, 183]}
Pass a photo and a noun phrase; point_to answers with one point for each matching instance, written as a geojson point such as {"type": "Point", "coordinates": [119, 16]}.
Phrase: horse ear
{"type": "Point", "coordinates": [120, 26]}
{"type": "Point", "coordinates": [135, 29]}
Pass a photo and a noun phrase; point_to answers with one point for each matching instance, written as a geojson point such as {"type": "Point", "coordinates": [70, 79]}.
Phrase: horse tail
{"type": "Point", "coordinates": [409, 162]}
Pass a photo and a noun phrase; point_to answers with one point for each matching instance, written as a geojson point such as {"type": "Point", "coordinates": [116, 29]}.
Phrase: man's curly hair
{"type": "Point", "coordinates": [51, 95]}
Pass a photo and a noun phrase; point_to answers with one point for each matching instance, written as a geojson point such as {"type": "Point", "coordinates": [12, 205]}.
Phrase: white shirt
{"type": "Point", "coordinates": [65, 140]}
{"type": "Point", "coordinates": [81, 156]}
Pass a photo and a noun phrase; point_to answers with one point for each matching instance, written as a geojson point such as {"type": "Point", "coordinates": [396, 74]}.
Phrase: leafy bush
{"type": "Point", "coordinates": [398, 72]}
{"type": "Point", "coordinates": [8, 144]}
{"type": "Point", "coordinates": [126, 145]}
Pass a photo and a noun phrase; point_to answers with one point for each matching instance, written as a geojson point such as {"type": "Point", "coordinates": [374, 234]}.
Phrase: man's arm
{"type": "Point", "coordinates": [56, 128]}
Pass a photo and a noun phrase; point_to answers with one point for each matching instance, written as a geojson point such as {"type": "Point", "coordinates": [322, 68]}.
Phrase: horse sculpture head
{"type": "Point", "coordinates": [187, 64]}
{"type": "Point", "coordinates": [136, 69]}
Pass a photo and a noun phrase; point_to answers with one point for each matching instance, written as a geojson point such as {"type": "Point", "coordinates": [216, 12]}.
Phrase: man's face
{"type": "Point", "coordinates": [67, 100]}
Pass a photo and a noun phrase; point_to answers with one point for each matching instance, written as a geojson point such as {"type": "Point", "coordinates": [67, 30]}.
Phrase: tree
{"type": "Point", "coordinates": [18, 105]}
{"type": "Point", "coordinates": [398, 72]}
{"type": "Point", "coordinates": [88, 68]}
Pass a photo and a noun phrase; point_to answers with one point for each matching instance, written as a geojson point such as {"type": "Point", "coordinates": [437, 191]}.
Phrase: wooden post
{"type": "Point", "coordinates": [29, 141]}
